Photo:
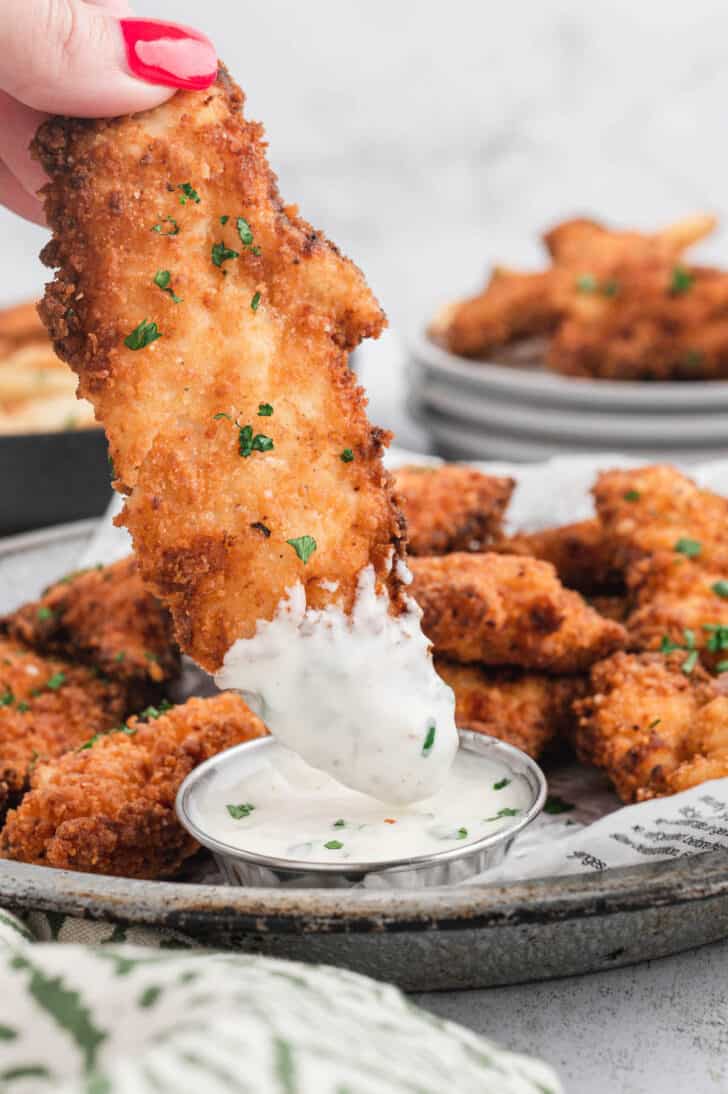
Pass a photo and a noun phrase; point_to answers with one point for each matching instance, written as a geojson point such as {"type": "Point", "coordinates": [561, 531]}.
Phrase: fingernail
{"type": "Point", "coordinates": [169, 54]}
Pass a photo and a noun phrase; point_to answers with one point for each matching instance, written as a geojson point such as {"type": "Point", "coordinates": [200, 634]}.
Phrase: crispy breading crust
{"type": "Point", "coordinates": [526, 709]}
{"type": "Point", "coordinates": [581, 554]}
{"type": "Point", "coordinates": [103, 617]}
{"type": "Point", "coordinates": [635, 720]}
{"type": "Point", "coordinates": [504, 610]}
{"type": "Point", "coordinates": [41, 722]}
{"type": "Point", "coordinates": [706, 746]}
{"type": "Point", "coordinates": [110, 809]}
{"type": "Point", "coordinates": [451, 508]}
{"type": "Point", "coordinates": [270, 326]}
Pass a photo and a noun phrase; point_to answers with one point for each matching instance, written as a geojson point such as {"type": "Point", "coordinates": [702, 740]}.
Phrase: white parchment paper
{"type": "Point", "coordinates": [593, 833]}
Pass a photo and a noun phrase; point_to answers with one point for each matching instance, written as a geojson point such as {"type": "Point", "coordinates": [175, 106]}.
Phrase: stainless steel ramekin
{"type": "Point", "coordinates": [421, 871]}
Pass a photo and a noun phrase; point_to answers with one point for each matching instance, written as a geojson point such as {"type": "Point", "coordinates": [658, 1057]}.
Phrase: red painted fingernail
{"type": "Point", "coordinates": [169, 54]}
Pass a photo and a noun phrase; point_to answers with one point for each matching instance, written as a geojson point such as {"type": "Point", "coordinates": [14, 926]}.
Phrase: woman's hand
{"type": "Point", "coordinates": [89, 58]}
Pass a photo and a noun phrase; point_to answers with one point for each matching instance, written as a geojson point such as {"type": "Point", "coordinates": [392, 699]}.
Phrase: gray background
{"type": "Point", "coordinates": [428, 138]}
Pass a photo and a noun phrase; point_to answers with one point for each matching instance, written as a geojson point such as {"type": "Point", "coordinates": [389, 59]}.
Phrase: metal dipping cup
{"type": "Point", "coordinates": [443, 868]}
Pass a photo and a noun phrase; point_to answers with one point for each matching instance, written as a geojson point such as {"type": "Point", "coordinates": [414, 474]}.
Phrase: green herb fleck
{"type": "Point", "coordinates": [255, 301]}
{"type": "Point", "coordinates": [221, 414]}
{"type": "Point", "coordinates": [722, 666]}
{"type": "Point", "coordinates": [245, 232]}
{"type": "Point", "coordinates": [333, 845]}
{"type": "Point", "coordinates": [501, 784]}
{"type": "Point", "coordinates": [151, 656]}
{"type": "Point", "coordinates": [264, 410]}
{"type": "Point", "coordinates": [691, 548]}
{"type": "Point", "coordinates": [462, 833]}
{"type": "Point", "coordinates": [720, 588]}
{"type": "Point", "coordinates": [347, 456]}
{"type": "Point", "coordinates": [690, 662]}
{"type": "Point", "coordinates": [587, 283]}
{"type": "Point", "coordinates": [188, 194]}
{"type": "Point", "coordinates": [120, 656]}
{"type": "Point", "coordinates": [142, 336]}
{"type": "Point", "coordinates": [221, 253]}
{"type": "Point", "coordinates": [45, 613]}
{"type": "Point", "coordinates": [681, 281]}
{"type": "Point", "coordinates": [506, 811]}
{"type": "Point", "coordinates": [429, 740]}
{"type": "Point", "coordinates": [340, 823]}
{"type": "Point", "coordinates": [237, 812]}
{"type": "Point", "coordinates": [718, 639]}
{"type": "Point", "coordinates": [610, 287]}
{"type": "Point", "coordinates": [249, 443]}
{"type": "Point", "coordinates": [693, 358]}
{"type": "Point", "coordinates": [224, 219]}
{"type": "Point", "coordinates": [655, 722]}
{"type": "Point", "coordinates": [159, 228]}
{"type": "Point", "coordinates": [555, 805]}
{"type": "Point", "coordinates": [631, 495]}
{"type": "Point", "coordinates": [150, 714]}
{"type": "Point", "coordinates": [304, 546]}
{"type": "Point", "coordinates": [56, 681]}
{"type": "Point", "coordinates": [23, 707]}
{"type": "Point", "coordinates": [7, 698]}
{"type": "Point", "coordinates": [161, 280]}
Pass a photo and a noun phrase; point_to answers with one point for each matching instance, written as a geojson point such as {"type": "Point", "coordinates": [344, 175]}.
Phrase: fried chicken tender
{"type": "Point", "coordinates": [657, 323]}
{"type": "Point", "coordinates": [451, 508]}
{"type": "Point", "coordinates": [103, 617]}
{"type": "Point", "coordinates": [109, 809]}
{"type": "Point", "coordinates": [210, 325]}
{"type": "Point", "coordinates": [635, 719]}
{"type": "Point", "coordinates": [512, 305]}
{"type": "Point", "coordinates": [706, 745]}
{"type": "Point", "coordinates": [588, 246]}
{"type": "Point", "coordinates": [580, 553]}
{"type": "Point", "coordinates": [504, 610]}
{"type": "Point", "coordinates": [525, 709]}
{"type": "Point", "coordinates": [20, 326]}
{"type": "Point", "coordinates": [47, 707]}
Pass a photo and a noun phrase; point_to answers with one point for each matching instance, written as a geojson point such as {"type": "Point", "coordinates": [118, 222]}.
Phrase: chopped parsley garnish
{"type": "Point", "coordinates": [245, 232]}
{"type": "Point", "coordinates": [501, 784]}
{"type": "Point", "coordinates": [722, 666]}
{"type": "Point", "coordinates": [655, 722]}
{"type": "Point", "coordinates": [22, 706]}
{"type": "Point", "coordinates": [347, 456]}
{"type": "Point", "coordinates": [693, 358]}
{"type": "Point", "coordinates": [681, 281]}
{"type": "Point", "coordinates": [121, 655]}
{"type": "Point", "coordinates": [691, 548]}
{"type": "Point", "coordinates": [237, 812]}
{"type": "Point", "coordinates": [125, 729]}
{"type": "Point", "coordinates": [610, 287]}
{"type": "Point", "coordinates": [304, 546]}
{"type": "Point", "coordinates": [143, 335]}
{"type": "Point", "coordinates": [720, 588]}
{"type": "Point", "coordinates": [333, 845]}
{"type": "Point", "coordinates": [255, 301]}
{"type": "Point", "coordinates": [188, 194]}
{"type": "Point", "coordinates": [45, 613]}
{"type": "Point", "coordinates": [554, 805]}
{"type": "Point", "coordinates": [668, 646]}
{"type": "Point", "coordinates": [173, 231]}
{"type": "Point", "coordinates": [221, 253]}
{"type": "Point", "coordinates": [631, 495]}
{"type": "Point", "coordinates": [340, 823]}
{"type": "Point", "coordinates": [718, 639]}
{"type": "Point", "coordinates": [429, 740]}
{"type": "Point", "coordinates": [249, 443]}
{"type": "Point", "coordinates": [224, 219]}
{"type": "Point", "coordinates": [150, 714]}
{"type": "Point", "coordinates": [264, 410]}
{"type": "Point", "coordinates": [7, 698]}
{"type": "Point", "coordinates": [690, 662]}
{"type": "Point", "coordinates": [506, 811]}
{"type": "Point", "coordinates": [161, 280]}
{"type": "Point", "coordinates": [221, 414]}
{"type": "Point", "coordinates": [258, 526]}
{"type": "Point", "coordinates": [587, 283]}
{"type": "Point", "coordinates": [462, 833]}
{"type": "Point", "coordinates": [56, 681]}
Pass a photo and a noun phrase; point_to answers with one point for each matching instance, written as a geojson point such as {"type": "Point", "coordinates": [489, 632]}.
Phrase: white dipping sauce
{"type": "Point", "coordinates": [270, 802]}
{"type": "Point", "coordinates": [356, 696]}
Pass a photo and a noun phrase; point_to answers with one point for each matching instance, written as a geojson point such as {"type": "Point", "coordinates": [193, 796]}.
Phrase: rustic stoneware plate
{"type": "Point", "coordinates": [467, 937]}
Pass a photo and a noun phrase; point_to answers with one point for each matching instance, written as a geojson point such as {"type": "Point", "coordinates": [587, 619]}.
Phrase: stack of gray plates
{"type": "Point", "coordinates": [483, 410]}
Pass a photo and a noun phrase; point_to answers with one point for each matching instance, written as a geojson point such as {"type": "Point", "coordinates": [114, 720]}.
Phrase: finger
{"type": "Point", "coordinates": [18, 125]}
{"type": "Point", "coordinates": [116, 7]}
{"type": "Point", "coordinates": [68, 57]}
{"type": "Point", "coordinates": [17, 198]}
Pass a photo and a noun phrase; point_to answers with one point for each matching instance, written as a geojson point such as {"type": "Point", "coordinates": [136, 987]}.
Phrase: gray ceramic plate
{"type": "Point", "coordinates": [473, 936]}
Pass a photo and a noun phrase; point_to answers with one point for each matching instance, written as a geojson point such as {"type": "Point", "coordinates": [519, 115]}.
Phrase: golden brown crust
{"type": "Point", "coordinates": [48, 706]}
{"type": "Point", "coordinates": [580, 553]}
{"type": "Point", "coordinates": [636, 717]}
{"type": "Point", "coordinates": [109, 809]}
{"type": "Point", "coordinates": [195, 506]}
{"type": "Point", "coordinates": [451, 508]}
{"type": "Point", "coordinates": [504, 610]}
{"type": "Point", "coordinates": [103, 617]}
{"type": "Point", "coordinates": [525, 709]}
{"type": "Point", "coordinates": [706, 753]}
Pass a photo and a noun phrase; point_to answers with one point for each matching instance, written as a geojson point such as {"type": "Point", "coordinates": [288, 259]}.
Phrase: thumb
{"type": "Point", "coordinates": [70, 57]}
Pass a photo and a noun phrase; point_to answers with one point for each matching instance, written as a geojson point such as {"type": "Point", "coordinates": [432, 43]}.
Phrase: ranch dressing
{"type": "Point", "coordinates": [270, 802]}
{"type": "Point", "coordinates": [356, 696]}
